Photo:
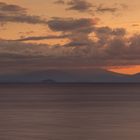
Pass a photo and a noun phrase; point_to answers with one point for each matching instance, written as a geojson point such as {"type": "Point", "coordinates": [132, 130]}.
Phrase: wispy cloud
{"type": "Point", "coordinates": [79, 5]}
{"type": "Point", "coordinates": [105, 9]}
{"type": "Point", "coordinates": [16, 13]}
{"type": "Point", "coordinates": [88, 7]}
{"type": "Point", "coordinates": [59, 2]}
{"type": "Point", "coordinates": [14, 9]}
{"type": "Point", "coordinates": [35, 38]}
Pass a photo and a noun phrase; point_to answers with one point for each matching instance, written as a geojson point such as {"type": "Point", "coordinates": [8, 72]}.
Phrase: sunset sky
{"type": "Point", "coordinates": [69, 34]}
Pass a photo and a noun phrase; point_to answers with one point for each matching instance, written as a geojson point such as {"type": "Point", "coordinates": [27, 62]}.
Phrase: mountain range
{"type": "Point", "coordinates": [71, 76]}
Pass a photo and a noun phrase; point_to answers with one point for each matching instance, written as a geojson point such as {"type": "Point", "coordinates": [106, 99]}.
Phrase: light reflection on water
{"type": "Point", "coordinates": [69, 112]}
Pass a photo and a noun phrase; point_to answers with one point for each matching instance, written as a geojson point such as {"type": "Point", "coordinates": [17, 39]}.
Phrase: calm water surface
{"type": "Point", "coordinates": [70, 112]}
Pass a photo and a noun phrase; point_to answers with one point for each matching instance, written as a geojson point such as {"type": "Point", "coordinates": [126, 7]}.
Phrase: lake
{"type": "Point", "coordinates": [70, 112]}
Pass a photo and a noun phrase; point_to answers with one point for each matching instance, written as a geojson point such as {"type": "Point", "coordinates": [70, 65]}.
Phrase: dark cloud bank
{"type": "Point", "coordinates": [88, 45]}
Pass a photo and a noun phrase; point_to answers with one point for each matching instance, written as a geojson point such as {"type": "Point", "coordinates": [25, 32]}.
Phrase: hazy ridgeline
{"type": "Point", "coordinates": [70, 112]}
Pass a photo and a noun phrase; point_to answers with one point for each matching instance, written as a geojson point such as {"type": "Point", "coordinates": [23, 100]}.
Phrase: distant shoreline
{"type": "Point", "coordinates": [72, 83]}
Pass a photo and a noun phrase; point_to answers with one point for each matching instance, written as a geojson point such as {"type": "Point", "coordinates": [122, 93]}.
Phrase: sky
{"type": "Point", "coordinates": [69, 34]}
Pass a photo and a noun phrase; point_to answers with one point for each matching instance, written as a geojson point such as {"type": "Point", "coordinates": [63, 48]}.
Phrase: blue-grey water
{"type": "Point", "coordinates": [70, 112]}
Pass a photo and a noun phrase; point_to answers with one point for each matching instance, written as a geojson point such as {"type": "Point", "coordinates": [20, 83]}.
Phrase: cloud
{"type": "Point", "coordinates": [87, 7]}
{"type": "Point", "coordinates": [104, 9]}
{"type": "Point", "coordinates": [119, 32]}
{"type": "Point", "coordinates": [115, 50]}
{"type": "Point", "coordinates": [76, 44]}
{"type": "Point", "coordinates": [35, 38]}
{"type": "Point", "coordinates": [70, 24]}
{"type": "Point", "coordinates": [89, 45]}
{"type": "Point", "coordinates": [4, 7]}
{"type": "Point", "coordinates": [105, 31]}
{"type": "Point", "coordinates": [22, 19]}
{"type": "Point", "coordinates": [29, 50]}
{"type": "Point", "coordinates": [135, 25]}
{"type": "Point", "coordinates": [15, 13]}
{"type": "Point", "coordinates": [59, 2]}
{"type": "Point", "coordinates": [112, 9]}
{"type": "Point", "coordinates": [15, 47]}
{"type": "Point", "coordinates": [79, 5]}
{"type": "Point", "coordinates": [78, 29]}
{"type": "Point", "coordinates": [106, 43]}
